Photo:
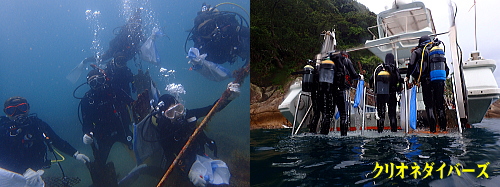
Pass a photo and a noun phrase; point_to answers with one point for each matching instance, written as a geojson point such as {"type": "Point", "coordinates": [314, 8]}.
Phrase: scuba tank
{"type": "Point", "coordinates": [308, 79]}
{"type": "Point", "coordinates": [327, 71]}
{"type": "Point", "coordinates": [437, 64]}
{"type": "Point", "coordinates": [382, 84]}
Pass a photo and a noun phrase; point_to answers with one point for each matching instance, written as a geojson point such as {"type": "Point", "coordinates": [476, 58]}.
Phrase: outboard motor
{"type": "Point", "coordinates": [308, 79]}
{"type": "Point", "coordinates": [437, 64]}
{"type": "Point", "coordinates": [383, 79]}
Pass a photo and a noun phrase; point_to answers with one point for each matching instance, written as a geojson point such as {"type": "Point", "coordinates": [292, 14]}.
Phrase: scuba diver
{"type": "Point", "coordinates": [168, 127]}
{"type": "Point", "coordinates": [344, 74]}
{"type": "Point", "coordinates": [25, 139]}
{"type": "Point", "coordinates": [105, 120]}
{"type": "Point", "coordinates": [120, 76]}
{"type": "Point", "coordinates": [127, 42]}
{"type": "Point", "coordinates": [388, 81]}
{"type": "Point", "coordinates": [221, 36]}
{"type": "Point", "coordinates": [429, 69]}
{"type": "Point", "coordinates": [324, 99]}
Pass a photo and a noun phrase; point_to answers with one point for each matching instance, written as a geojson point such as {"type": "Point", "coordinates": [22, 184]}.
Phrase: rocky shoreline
{"type": "Point", "coordinates": [494, 110]}
{"type": "Point", "coordinates": [264, 102]}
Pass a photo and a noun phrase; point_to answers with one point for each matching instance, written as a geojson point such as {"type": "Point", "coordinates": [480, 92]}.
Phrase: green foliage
{"type": "Point", "coordinates": [285, 33]}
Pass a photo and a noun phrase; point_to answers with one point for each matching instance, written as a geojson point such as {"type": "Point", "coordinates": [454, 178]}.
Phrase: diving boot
{"type": "Point", "coordinates": [312, 128]}
{"type": "Point", "coordinates": [380, 126]}
{"type": "Point", "coordinates": [325, 127]}
{"type": "Point", "coordinates": [394, 126]}
{"type": "Point", "coordinates": [431, 119]}
{"type": "Point", "coordinates": [343, 129]}
{"type": "Point", "coordinates": [442, 120]}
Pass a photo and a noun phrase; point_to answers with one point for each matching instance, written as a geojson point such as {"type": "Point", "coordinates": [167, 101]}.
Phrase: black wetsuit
{"type": "Point", "coordinates": [23, 145]}
{"type": "Point", "coordinates": [173, 136]}
{"type": "Point", "coordinates": [120, 78]}
{"type": "Point", "coordinates": [315, 95]}
{"type": "Point", "coordinates": [346, 73]}
{"type": "Point", "coordinates": [219, 35]}
{"type": "Point", "coordinates": [432, 91]}
{"type": "Point", "coordinates": [395, 83]}
{"type": "Point", "coordinates": [105, 114]}
{"type": "Point", "coordinates": [127, 41]}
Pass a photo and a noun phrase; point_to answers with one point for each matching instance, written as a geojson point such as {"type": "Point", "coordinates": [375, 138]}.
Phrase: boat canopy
{"type": "Point", "coordinates": [406, 18]}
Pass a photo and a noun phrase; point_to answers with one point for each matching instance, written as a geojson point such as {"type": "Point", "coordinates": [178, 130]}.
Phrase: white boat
{"type": "Point", "coordinates": [402, 25]}
{"type": "Point", "coordinates": [399, 29]}
{"type": "Point", "coordinates": [482, 88]}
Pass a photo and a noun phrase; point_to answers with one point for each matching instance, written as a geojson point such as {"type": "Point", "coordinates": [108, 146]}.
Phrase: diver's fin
{"type": "Point", "coordinates": [75, 74]}
{"type": "Point", "coordinates": [142, 169]}
{"type": "Point", "coordinates": [103, 175]}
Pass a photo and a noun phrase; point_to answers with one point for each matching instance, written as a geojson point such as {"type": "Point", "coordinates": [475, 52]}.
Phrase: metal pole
{"type": "Point", "coordinates": [364, 111]}
{"type": "Point", "coordinates": [296, 111]}
{"type": "Point", "coordinates": [302, 122]}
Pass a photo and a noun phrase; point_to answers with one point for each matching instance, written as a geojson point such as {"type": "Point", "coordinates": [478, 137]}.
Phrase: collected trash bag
{"type": "Point", "coordinates": [206, 170]}
{"type": "Point", "coordinates": [30, 178]}
{"type": "Point", "coordinates": [149, 52]}
{"type": "Point", "coordinates": [208, 69]}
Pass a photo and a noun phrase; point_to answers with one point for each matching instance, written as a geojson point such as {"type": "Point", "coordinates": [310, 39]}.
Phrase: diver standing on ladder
{"type": "Point", "coordinates": [428, 67]}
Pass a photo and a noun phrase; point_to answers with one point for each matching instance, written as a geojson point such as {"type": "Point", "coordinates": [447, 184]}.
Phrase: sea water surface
{"type": "Point", "coordinates": [42, 41]}
{"type": "Point", "coordinates": [279, 159]}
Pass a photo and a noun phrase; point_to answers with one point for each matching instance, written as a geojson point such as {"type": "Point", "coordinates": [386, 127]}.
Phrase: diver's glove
{"type": "Point", "coordinates": [87, 139]}
{"type": "Point", "coordinates": [33, 178]}
{"type": "Point", "coordinates": [81, 157]}
{"type": "Point", "coordinates": [235, 90]}
{"type": "Point", "coordinates": [196, 178]}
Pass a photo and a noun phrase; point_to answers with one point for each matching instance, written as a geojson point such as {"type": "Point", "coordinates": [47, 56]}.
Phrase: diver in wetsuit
{"type": "Point", "coordinates": [387, 81]}
{"type": "Point", "coordinates": [218, 38]}
{"type": "Point", "coordinates": [120, 77]}
{"type": "Point", "coordinates": [127, 41]}
{"type": "Point", "coordinates": [106, 120]}
{"type": "Point", "coordinates": [168, 127]}
{"type": "Point", "coordinates": [432, 76]}
{"type": "Point", "coordinates": [25, 138]}
{"type": "Point", "coordinates": [126, 45]}
{"type": "Point", "coordinates": [220, 35]}
{"type": "Point", "coordinates": [344, 74]}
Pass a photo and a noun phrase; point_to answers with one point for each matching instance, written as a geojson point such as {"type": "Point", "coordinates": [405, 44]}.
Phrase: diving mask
{"type": "Point", "coordinates": [20, 108]}
{"type": "Point", "coordinates": [96, 81]}
{"type": "Point", "coordinates": [174, 111]}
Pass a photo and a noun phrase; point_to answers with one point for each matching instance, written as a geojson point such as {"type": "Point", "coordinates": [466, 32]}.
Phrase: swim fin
{"type": "Point", "coordinates": [75, 74]}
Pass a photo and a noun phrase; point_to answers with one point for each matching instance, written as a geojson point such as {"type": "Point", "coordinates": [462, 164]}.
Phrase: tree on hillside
{"type": "Point", "coordinates": [285, 33]}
